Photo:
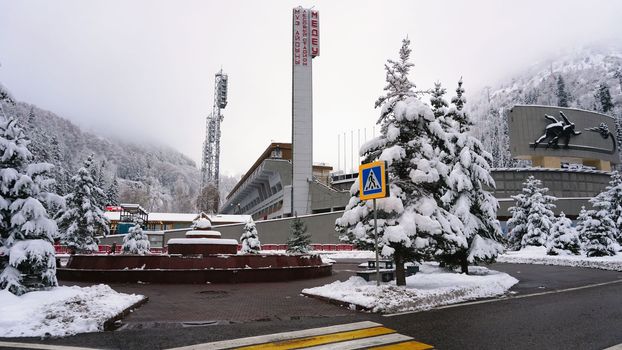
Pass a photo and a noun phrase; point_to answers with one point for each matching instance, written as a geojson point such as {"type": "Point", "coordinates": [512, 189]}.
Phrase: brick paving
{"type": "Point", "coordinates": [187, 304]}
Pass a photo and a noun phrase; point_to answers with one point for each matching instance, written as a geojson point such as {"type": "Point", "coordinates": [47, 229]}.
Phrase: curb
{"type": "Point", "coordinates": [338, 302]}
{"type": "Point", "coordinates": [109, 325]}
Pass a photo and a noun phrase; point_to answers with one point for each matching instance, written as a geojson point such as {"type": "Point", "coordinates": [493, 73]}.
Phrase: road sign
{"type": "Point", "coordinates": [373, 180]}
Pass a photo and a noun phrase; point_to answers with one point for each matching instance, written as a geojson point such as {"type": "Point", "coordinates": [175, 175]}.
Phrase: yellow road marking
{"type": "Point", "coordinates": [410, 345]}
{"type": "Point", "coordinates": [322, 339]}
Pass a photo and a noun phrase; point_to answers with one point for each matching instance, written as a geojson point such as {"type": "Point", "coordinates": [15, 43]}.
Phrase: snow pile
{"type": "Point", "coordinates": [61, 311]}
{"type": "Point", "coordinates": [348, 254]}
{"type": "Point", "coordinates": [202, 224]}
{"type": "Point", "coordinates": [200, 233]}
{"type": "Point", "coordinates": [537, 255]}
{"type": "Point", "coordinates": [431, 287]}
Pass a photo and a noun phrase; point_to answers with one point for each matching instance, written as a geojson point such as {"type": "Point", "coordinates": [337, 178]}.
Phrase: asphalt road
{"type": "Point", "coordinates": [587, 318]}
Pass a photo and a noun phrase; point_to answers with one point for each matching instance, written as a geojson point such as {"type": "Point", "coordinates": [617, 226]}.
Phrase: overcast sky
{"type": "Point", "coordinates": [145, 69]}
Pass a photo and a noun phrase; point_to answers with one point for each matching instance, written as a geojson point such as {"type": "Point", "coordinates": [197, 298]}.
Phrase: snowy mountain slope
{"type": "Point", "coordinates": [157, 177]}
{"type": "Point", "coordinates": [582, 74]}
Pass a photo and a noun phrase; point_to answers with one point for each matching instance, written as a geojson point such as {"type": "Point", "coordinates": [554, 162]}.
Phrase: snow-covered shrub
{"type": "Point", "coordinates": [250, 239]}
{"type": "Point", "coordinates": [27, 259]}
{"type": "Point", "coordinates": [532, 216]}
{"type": "Point", "coordinates": [82, 219]}
{"type": "Point", "coordinates": [299, 241]}
{"type": "Point", "coordinates": [136, 241]}
{"type": "Point", "coordinates": [564, 239]}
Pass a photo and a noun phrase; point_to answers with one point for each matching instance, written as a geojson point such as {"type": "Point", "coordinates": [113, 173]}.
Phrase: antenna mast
{"type": "Point", "coordinates": [210, 168]}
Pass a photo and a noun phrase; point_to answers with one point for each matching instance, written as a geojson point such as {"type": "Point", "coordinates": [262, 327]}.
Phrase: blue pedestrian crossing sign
{"type": "Point", "coordinates": [373, 180]}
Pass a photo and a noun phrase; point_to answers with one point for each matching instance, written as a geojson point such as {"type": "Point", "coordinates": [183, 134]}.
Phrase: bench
{"type": "Point", "coordinates": [386, 275]}
{"type": "Point", "coordinates": [383, 264]}
{"type": "Point", "coordinates": [411, 270]}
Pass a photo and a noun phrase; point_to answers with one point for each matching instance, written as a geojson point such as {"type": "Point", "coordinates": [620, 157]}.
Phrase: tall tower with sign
{"type": "Point", "coordinates": [305, 46]}
{"type": "Point", "coordinates": [211, 146]}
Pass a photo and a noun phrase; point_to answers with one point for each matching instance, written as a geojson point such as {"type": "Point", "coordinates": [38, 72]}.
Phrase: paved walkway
{"type": "Point", "coordinates": [192, 305]}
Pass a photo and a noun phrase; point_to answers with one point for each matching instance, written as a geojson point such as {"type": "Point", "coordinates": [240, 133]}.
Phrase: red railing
{"type": "Point", "coordinates": [105, 249]}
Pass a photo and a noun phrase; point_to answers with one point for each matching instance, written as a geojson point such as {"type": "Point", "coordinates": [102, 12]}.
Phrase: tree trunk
{"type": "Point", "coordinates": [400, 273]}
{"type": "Point", "coordinates": [464, 263]}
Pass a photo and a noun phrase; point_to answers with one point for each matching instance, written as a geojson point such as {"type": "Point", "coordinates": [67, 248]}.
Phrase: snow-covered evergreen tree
{"type": "Point", "coordinates": [562, 94]}
{"type": "Point", "coordinates": [97, 174]}
{"type": "Point", "coordinates": [603, 98]}
{"type": "Point", "coordinates": [136, 241]}
{"type": "Point", "coordinates": [250, 239]}
{"type": "Point", "coordinates": [599, 229]}
{"type": "Point", "coordinates": [532, 216]}
{"type": "Point", "coordinates": [27, 257]}
{"type": "Point", "coordinates": [82, 220]}
{"type": "Point", "coordinates": [411, 142]}
{"type": "Point", "coordinates": [582, 219]}
{"type": "Point", "coordinates": [564, 239]}
{"type": "Point", "coordinates": [467, 197]}
{"type": "Point", "coordinates": [438, 102]}
{"type": "Point", "coordinates": [299, 241]}
{"type": "Point", "coordinates": [613, 195]}
{"type": "Point", "coordinates": [112, 193]}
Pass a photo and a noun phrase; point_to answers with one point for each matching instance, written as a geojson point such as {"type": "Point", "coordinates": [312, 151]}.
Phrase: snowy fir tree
{"type": "Point", "coordinates": [136, 241]}
{"type": "Point", "coordinates": [582, 219]}
{"type": "Point", "coordinates": [112, 193]}
{"type": "Point", "coordinates": [411, 142]}
{"type": "Point", "coordinates": [439, 104]}
{"type": "Point", "coordinates": [466, 196]}
{"type": "Point", "coordinates": [562, 94]}
{"type": "Point", "coordinates": [532, 215]}
{"type": "Point", "coordinates": [97, 174]}
{"type": "Point", "coordinates": [82, 219]}
{"type": "Point", "coordinates": [597, 230]}
{"type": "Point", "coordinates": [27, 257]}
{"type": "Point", "coordinates": [603, 98]}
{"type": "Point", "coordinates": [564, 239]}
{"type": "Point", "coordinates": [250, 239]}
{"type": "Point", "coordinates": [613, 195]}
{"type": "Point", "coordinates": [299, 241]}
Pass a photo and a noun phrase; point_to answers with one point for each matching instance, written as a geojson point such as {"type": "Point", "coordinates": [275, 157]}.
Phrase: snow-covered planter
{"type": "Point", "coordinates": [431, 287]}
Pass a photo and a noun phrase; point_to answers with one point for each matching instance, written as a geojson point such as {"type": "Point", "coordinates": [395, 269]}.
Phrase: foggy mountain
{"type": "Point", "coordinates": [589, 79]}
{"type": "Point", "coordinates": [157, 177]}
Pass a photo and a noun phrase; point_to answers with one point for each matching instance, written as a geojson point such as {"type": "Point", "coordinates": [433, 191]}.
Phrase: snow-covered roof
{"type": "Point", "coordinates": [219, 218]}
{"type": "Point", "coordinates": [176, 217]}
{"type": "Point", "coordinates": [185, 217]}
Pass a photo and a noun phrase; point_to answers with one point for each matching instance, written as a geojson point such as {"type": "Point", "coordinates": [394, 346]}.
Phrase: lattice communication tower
{"type": "Point", "coordinates": [211, 146]}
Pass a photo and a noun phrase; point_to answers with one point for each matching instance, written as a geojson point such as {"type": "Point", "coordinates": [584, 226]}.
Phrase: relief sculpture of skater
{"type": "Point", "coordinates": [556, 130]}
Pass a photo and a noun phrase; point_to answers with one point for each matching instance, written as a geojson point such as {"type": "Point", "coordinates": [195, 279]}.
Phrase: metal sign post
{"type": "Point", "coordinates": [376, 244]}
{"type": "Point", "coordinates": [373, 183]}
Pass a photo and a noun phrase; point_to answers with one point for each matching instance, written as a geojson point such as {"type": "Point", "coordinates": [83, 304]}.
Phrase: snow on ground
{"type": "Point", "coordinates": [61, 311]}
{"type": "Point", "coordinates": [537, 255]}
{"type": "Point", "coordinates": [432, 286]}
{"type": "Point", "coordinates": [334, 255]}
{"type": "Point", "coordinates": [348, 254]}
